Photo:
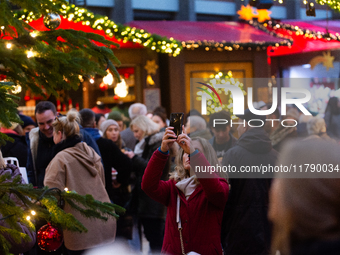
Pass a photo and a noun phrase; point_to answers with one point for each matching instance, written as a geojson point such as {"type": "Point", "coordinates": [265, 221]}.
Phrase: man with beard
{"type": "Point", "coordinates": [40, 143]}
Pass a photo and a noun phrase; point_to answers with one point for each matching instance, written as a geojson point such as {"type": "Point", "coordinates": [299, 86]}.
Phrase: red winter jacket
{"type": "Point", "coordinates": [201, 215]}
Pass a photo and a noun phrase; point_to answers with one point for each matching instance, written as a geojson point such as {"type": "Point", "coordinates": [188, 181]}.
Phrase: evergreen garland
{"type": "Point", "coordinates": [121, 32]}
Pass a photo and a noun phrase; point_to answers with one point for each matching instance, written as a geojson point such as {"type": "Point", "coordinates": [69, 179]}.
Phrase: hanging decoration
{"type": "Point", "coordinates": [108, 79]}
{"type": "Point", "coordinates": [246, 12]}
{"type": "Point", "coordinates": [58, 105]}
{"type": "Point", "coordinates": [49, 238]}
{"type": "Point", "coordinates": [151, 68]}
{"type": "Point", "coordinates": [52, 20]}
{"type": "Point", "coordinates": [326, 59]}
{"type": "Point", "coordinates": [70, 104]}
{"type": "Point", "coordinates": [249, 13]}
{"type": "Point", "coordinates": [310, 8]}
{"type": "Point", "coordinates": [16, 89]}
{"type": "Point", "coordinates": [214, 105]}
{"type": "Point", "coordinates": [122, 89]}
{"type": "Point", "coordinates": [103, 86]}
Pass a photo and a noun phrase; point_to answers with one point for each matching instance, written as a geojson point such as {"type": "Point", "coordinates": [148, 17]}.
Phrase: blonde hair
{"type": "Point", "coordinates": [68, 125]}
{"type": "Point", "coordinates": [180, 173]}
{"type": "Point", "coordinates": [316, 126]}
{"type": "Point", "coordinates": [145, 124]}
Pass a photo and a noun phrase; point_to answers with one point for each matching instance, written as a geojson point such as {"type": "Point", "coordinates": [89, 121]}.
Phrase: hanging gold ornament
{"type": "Point", "coordinates": [52, 20]}
{"type": "Point", "coordinates": [326, 59]}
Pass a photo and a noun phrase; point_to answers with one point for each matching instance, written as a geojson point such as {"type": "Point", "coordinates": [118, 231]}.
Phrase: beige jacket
{"type": "Point", "coordinates": [79, 168]}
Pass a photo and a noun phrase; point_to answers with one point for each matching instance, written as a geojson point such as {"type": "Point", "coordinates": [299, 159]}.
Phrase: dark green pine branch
{"type": "Point", "coordinates": [47, 61]}
{"type": "Point", "coordinates": [45, 203]}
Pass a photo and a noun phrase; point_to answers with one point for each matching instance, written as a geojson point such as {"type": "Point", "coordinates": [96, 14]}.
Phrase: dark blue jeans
{"type": "Point", "coordinates": [154, 232]}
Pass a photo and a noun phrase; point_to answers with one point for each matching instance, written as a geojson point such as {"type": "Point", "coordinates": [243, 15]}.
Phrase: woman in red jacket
{"type": "Point", "coordinates": [194, 202]}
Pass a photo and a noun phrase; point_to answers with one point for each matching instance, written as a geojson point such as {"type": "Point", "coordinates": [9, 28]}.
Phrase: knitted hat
{"type": "Point", "coordinates": [27, 121]}
{"type": "Point", "coordinates": [115, 115]}
{"type": "Point", "coordinates": [106, 124]}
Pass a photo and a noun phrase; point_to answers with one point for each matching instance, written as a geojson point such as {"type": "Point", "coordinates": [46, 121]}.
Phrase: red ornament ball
{"type": "Point", "coordinates": [115, 97]}
{"type": "Point", "coordinates": [49, 237]}
{"type": "Point", "coordinates": [103, 86]}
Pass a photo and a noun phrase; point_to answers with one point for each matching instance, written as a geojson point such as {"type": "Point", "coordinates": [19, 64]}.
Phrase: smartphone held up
{"type": "Point", "coordinates": [176, 121]}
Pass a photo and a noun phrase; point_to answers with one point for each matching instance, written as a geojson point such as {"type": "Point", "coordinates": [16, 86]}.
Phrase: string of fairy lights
{"type": "Point", "coordinates": [121, 32]}
{"type": "Point", "coordinates": [170, 45]}
{"type": "Point", "coordinates": [334, 4]}
{"type": "Point", "coordinates": [273, 27]}
{"type": "Point", "coordinates": [230, 46]}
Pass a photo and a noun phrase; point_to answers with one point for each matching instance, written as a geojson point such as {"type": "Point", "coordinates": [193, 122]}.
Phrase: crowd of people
{"type": "Point", "coordinates": [145, 168]}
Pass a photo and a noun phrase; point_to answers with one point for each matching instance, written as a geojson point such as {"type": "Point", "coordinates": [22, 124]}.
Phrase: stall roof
{"type": "Point", "coordinates": [220, 34]}
{"type": "Point", "coordinates": [307, 36]}
{"type": "Point", "coordinates": [67, 24]}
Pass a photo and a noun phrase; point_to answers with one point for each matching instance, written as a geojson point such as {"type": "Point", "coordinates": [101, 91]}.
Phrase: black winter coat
{"type": "Point", "coordinates": [17, 149]}
{"type": "Point", "coordinates": [316, 247]}
{"type": "Point", "coordinates": [245, 227]}
{"type": "Point", "coordinates": [112, 156]}
{"type": "Point", "coordinates": [148, 207]}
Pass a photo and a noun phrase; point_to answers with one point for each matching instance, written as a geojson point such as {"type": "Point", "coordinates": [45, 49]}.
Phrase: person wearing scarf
{"type": "Point", "coordinates": [77, 167]}
{"type": "Point", "coordinates": [194, 202]}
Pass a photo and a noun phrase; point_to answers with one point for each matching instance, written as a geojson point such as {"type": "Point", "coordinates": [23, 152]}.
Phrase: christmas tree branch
{"type": "Point", "coordinates": [45, 205]}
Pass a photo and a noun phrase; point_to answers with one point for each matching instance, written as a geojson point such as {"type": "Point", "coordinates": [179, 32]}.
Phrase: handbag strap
{"type": "Point", "coordinates": [179, 224]}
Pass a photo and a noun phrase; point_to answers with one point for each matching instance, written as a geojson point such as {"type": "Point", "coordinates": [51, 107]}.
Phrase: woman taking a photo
{"type": "Point", "coordinates": [78, 167]}
{"type": "Point", "coordinates": [189, 198]}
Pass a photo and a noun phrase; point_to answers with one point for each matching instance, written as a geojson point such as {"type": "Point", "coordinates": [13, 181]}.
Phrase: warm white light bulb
{"type": "Point", "coordinates": [30, 54]}
{"type": "Point", "coordinates": [66, 189]}
{"type": "Point", "coordinates": [28, 218]}
{"type": "Point", "coordinates": [91, 80]}
{"type": "Point", "coordinates": [17, 89]}
{"type": "Point", "coordinates": [33, 212]}
{"type": "Point", "coordinates": [122, 89]}
{"type": "Point", "coordinates": [8, 45]}
{"type": "Point", "coordinates": [108, 79]}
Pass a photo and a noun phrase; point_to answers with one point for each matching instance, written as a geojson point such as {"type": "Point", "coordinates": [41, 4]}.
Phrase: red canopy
{"type": "Point", "coordinates": [303, 44]}
{"type": "Point", "coordinates": [188, 31]}
{"type": "Point", "coordinates": [66, 24]}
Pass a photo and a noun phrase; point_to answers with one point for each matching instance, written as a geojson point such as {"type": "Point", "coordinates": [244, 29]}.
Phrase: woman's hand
{"type": "Point", "coordinates": [184, 142]}
{"type": "Point", "coordinates": [130, 154]}
{"type": "Point", "coordinates": [168, 139]}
